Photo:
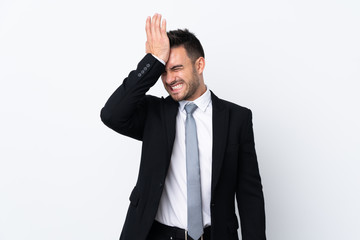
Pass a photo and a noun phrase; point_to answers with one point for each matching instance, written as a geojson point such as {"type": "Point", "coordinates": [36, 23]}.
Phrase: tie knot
{"type": "Point", "coordinates": [190, 108]}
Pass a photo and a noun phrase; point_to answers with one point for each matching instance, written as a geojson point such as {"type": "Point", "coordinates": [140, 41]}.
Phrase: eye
{"type": "Point", "coordinates": [175, 69]}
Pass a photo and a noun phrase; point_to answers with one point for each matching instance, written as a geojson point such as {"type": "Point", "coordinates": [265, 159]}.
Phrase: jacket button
{"type": "Point", "coordinates": [148, 65]}
{"type": "Point", "coordinates": [139, 75]}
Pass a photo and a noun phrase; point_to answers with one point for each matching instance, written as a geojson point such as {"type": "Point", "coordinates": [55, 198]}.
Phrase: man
{"type": "Point", "coordinates": [197, 153]}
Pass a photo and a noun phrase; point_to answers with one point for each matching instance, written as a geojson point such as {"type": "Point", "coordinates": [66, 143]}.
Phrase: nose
{"type": "Point", "coordinates": [169, 77]}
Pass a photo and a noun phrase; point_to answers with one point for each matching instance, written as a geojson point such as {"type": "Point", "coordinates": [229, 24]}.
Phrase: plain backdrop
{"type": "Point", "coordinates": [296, 64]}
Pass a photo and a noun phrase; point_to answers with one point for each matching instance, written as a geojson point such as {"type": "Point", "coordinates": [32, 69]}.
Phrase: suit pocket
{"type": "Point", "coordinates": [134, 197]}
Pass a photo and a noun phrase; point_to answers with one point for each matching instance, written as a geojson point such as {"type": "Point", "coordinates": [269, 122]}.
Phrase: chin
{"type": "Point", "coordinates": [177, 97]}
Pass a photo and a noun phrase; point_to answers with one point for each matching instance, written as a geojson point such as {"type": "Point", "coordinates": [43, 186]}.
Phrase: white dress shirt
{"type": "Point", "coordinates": [172, 209]}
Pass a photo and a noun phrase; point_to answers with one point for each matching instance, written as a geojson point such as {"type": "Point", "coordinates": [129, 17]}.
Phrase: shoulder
{"type": "Point", "coordinates": [219, 103]}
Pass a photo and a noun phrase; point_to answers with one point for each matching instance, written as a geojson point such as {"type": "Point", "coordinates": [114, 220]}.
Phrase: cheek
{"type": "Point", "coordinates": [187, 75]}
{"type": "Point", "coordinates": [163, 79]}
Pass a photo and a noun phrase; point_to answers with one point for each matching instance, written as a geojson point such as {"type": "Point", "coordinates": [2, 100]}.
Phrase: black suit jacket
{"type": "Point", "coordinates": [235, 169]}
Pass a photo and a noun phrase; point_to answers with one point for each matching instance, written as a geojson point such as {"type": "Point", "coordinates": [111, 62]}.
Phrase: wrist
{"type": "Point", "coordinates": [159, 59]}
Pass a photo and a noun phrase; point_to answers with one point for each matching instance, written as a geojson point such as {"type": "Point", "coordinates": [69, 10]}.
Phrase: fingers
{"type": "Point", "coordinates": [154, 26]}
{"type": "Point", "coordinates": [148, 34]}
{"type": "Point", "coordinates": [148, 28]}
{"type": "Point", "coordinates": [157, 24]}
{"type": "Point", "coordinates": [163, 28]}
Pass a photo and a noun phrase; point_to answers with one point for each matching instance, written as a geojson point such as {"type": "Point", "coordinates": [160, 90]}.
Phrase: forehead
{"type": "Point", "coordinates": [178, 56]}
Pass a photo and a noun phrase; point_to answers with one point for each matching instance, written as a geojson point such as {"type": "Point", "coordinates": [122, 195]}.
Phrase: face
{"type": "Point", "coordinates": [182, 78]}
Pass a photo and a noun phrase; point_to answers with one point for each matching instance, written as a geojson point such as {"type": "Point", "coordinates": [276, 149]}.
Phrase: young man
{"type": "Point", "coordinates": [198, 150]}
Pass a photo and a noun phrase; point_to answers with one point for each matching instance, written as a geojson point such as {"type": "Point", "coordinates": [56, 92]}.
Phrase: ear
{"type": "Point", "coordinates": [200, 65]}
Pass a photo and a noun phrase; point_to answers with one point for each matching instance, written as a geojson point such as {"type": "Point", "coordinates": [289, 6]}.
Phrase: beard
{"type": "Point", "coordinates": [193, 86]}
{"type": "Point", "coordinates": [190, 88]}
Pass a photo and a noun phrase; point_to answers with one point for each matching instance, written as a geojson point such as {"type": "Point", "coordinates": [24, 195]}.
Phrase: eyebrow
{"type": "Point", "coordinates": [176, 66]}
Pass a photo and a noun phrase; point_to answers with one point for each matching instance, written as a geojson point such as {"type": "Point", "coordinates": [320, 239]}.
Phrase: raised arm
{"type": "Point", "coordinates": [125, 111]}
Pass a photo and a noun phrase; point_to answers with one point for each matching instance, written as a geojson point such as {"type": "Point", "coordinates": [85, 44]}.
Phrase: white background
{"type": "Point", "coordinates": [296, 64]}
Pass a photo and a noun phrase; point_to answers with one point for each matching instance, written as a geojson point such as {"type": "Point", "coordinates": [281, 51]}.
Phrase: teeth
{"type": "Point", "coordinates": [177, 86]}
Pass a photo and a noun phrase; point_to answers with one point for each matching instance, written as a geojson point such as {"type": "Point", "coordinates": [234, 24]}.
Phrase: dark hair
{"type": "Point", "coordinates": [188, 40]}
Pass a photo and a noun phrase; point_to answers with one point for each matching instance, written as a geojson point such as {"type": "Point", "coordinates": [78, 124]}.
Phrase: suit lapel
{"type": "Point", "coordinates": [170, 110]}
{"type": "Point", "coordinates": [220, 132]}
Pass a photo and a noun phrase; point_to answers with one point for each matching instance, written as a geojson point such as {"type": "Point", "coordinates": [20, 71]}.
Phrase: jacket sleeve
{"type": "Point", "coordinates": [125, 110]}
{"type": "Point", "coordinates": [249, 193]}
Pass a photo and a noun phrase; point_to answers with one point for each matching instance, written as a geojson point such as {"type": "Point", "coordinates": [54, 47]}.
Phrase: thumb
{"type": "Point", "coordinates": [147, 47]}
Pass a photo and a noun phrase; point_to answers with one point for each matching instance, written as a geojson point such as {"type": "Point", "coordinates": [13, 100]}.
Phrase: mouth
{"type": "Point", "coordinates": [176, 87]}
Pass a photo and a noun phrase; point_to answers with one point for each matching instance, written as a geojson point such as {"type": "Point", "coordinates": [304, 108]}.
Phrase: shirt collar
{"type": "Point", "coordinates": [201, 102]}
